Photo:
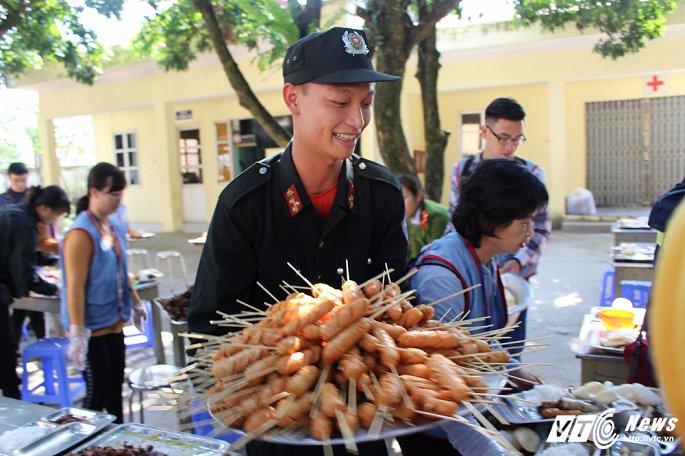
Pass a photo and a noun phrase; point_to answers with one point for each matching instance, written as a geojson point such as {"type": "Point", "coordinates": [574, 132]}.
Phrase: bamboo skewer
{"type": "Point", "coordinates": [465, 290]}
{"type": "Point", "coordinates": [249, 306]}
{"type": "Point", "coordinates": [276, 300]}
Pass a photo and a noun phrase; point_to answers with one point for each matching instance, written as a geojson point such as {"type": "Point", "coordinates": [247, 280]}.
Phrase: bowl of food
{"type": "Point", "coordinates": [616, 318]}
{"type": "Point", "coordinates": [517, 292]}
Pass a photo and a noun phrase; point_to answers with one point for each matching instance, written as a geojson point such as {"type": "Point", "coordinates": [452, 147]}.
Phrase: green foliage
{"type": "Point", "coordinates": [175, 35]}
{"type": "Point", "coordinates": [33, 32]}
{"type": "Point", "coordinates": [627, 24]}
{"type": "Point", "coordinates": [18, 127]}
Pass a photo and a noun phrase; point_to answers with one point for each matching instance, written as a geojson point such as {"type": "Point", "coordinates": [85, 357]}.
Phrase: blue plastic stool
{"type": "Point", "coordinates": [147, 337]}
{"type": "Point", "coordinates": [607, 296]}
{"type": "Point", "coordinates": [56, 383]}
{"type": "Point", "coordinates": [201, 420]}
{"type": "Point", "coordinates": [636, 291]}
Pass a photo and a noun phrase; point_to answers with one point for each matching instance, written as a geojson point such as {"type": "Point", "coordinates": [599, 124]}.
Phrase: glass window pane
{"type": "Point", "coordinates": [132, 159]}
{"type": "Point", "coordinates": [131, 140]}
{"type": "Point", "coordinates": [118, 142]}
{"type": "Point", "coordinates": [120, 159]}
{"type": "Point", "coordinates": [133, 177]}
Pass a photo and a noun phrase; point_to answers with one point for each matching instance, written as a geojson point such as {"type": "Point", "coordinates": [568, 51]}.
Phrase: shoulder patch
{"type": "Point", "coordinates": [245, 183]}
{"type": "Point", "coordinates": [372, 170]}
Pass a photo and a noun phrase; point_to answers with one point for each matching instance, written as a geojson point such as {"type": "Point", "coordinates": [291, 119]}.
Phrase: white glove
{"type": "Point", "coordinates": [78, 345]}
{"type": "Point", "coordinates": [139, 316]}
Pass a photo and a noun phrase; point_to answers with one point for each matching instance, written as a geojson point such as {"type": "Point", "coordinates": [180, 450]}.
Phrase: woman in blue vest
{"type": "Point", "coordinates": [96, 294]}
{"type": "Point", "coordinates": [494, 216]}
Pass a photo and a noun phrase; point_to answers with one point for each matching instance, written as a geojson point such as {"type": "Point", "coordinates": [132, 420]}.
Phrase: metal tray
{"type": "Point", "coordinates": [163, 440]}
{"type": "Point", "coordinates": [61, 437]}
{"type": "Point", "coordinates": [517, 412]}
{"type": "Point", "coordinates": [97, 419]}
{"type": "Point", "coordinates": [58, 438]}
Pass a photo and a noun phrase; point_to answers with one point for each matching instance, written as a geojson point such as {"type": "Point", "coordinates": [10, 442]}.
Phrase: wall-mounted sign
{"type": "Point", "coordinates": [184, 115]}
{"type": "Point", "coordinates": [654, 83]}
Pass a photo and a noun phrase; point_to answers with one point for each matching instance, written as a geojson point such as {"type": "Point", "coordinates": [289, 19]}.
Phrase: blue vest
{"type": "Point", "coordinates": [106, 276]}
{"type": "Point", "coordinates": [445, 266]}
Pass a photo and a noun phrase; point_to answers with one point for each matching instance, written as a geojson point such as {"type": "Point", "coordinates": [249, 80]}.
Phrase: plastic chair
{"type": "Point", "coordinates": [133, 256]}
{"type": "Point", "coordinates": [607, 295]}
{"type": "Point", "coordinates": [204, 425]}
{"type": "Point", "coordinates": [636, 291]}
{"type": "Point", "coordinates": [134, 338]}
{"type": "Point", "coordinates": [169, 256]}
{"type": "Point", "coordinates": [56, 385]}
{"type": "Point", "coordinates": [151, 378]}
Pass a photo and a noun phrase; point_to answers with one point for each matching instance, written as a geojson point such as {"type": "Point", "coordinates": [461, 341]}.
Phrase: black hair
{"type": "Point", "coordinates": [504, 108]}
{"type": "Point", "coordinates": [99, 177]}
{"type": "Point", "coordinates": [17, 168]}
{"type": "Point", "coordinates": [412, 184]}
{"type": "Point", "coordinates": [51, 196]}
{"type": "Point", "coordinates": [498, 192]}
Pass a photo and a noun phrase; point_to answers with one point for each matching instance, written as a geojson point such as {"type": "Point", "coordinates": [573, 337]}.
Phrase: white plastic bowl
{"type": "Point", "coordinates": [521, 290]}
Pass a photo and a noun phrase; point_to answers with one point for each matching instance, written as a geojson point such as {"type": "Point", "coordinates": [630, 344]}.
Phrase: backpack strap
{"type": "Point", "coordinates": [466, 170]}
{"type": "Point", "coordinates": [435, 260]}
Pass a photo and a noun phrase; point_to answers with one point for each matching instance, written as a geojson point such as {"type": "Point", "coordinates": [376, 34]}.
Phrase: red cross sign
{"type": "Point", "coordinates": [654, 84]}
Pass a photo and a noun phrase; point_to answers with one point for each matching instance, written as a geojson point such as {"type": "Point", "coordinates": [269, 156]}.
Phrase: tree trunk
{"type": "Point", "coordinates": [389, 28]}
{"type": "Point", "coordinates": [242, 88]}
{"type": "Point", "coordinates": [307, 17]}
{"type": "Point", "coordinates": [435, 137]}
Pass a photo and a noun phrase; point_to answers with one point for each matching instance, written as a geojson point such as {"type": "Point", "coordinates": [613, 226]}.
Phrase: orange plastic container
{"type": "Point", "coordinates": [616, 318]}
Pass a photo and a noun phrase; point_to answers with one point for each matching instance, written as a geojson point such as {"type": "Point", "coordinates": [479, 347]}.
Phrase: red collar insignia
{"type": "Point", "coordinates": [424, 219]}
{"type": "Point", "coordinates": [292, 198]}
{"type": "Point", "coordinates": [350, 195]}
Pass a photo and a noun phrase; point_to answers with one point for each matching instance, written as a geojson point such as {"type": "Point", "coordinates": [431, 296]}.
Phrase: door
{"type": "Point", "coordinates": [634, 149]}
{"type": "Point", "coordinates": [192, 192]}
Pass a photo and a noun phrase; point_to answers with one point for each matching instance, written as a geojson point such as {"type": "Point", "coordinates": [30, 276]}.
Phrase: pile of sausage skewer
{"type": "Point", "coordinates": [333, 361]}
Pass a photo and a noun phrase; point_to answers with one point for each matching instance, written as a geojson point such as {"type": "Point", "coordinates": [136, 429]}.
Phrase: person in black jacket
{"type": "Point", "coordinates": [18, 239]}
{"type": "Point", "coordinates": [316, 205]}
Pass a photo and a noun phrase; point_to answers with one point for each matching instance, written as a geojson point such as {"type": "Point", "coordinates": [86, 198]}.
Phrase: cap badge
{"type": "Point", "coordinates": [354, 43]}
{"type": "Point", "coordinates": [293, 200]}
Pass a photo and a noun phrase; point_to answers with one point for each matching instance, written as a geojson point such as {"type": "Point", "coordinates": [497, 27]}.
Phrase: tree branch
{"type": "Point", "coordinates": [242, 88]}
{"type": "Point", "coordinates": [363, 13]}
{"type": "Point", "coordinates": [13, 16]}
{"type": "Point", "coordinates": [439, 10]}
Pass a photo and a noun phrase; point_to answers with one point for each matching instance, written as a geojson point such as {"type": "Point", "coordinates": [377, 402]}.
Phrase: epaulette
{"type": "Point", "coordinates": [245, 183]}
{"type": "Point", "coordinates": [372, 170]}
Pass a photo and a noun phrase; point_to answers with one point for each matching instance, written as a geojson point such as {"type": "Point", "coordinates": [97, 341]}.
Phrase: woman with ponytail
{"type": "Point", "coordinates": [18, 241]}
{"type": "Point", "coordinates": [97, 296]}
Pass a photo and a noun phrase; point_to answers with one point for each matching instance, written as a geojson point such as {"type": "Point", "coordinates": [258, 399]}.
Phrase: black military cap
{"type": "Point", "coordinates": [336, 56]}
{"type": "Point", "coordinates": [17, 168]}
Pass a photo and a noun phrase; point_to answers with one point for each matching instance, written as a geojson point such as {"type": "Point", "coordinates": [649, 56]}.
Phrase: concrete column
{"type": "Point", "coordinates": [555, 172]}
{"type": "Point", "coordinates": [49, 165]}
{"type": "Point", "coordinates": [169, 174]}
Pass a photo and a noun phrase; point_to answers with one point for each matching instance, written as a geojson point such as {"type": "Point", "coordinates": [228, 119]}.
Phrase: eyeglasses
{"type": "Point", "coordinates": [506, 141]}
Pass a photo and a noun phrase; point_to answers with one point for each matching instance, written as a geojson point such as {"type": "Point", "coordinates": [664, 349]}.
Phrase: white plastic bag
{"type": "Point", "coordinates": [580, 202]}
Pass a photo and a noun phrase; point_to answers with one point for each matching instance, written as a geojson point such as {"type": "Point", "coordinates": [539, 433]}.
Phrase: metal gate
{"type": "Point", "coordinates": [635, 149]}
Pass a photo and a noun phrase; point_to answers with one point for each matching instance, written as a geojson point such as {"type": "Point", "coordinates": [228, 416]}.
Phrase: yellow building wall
{"type": "Point", "coordinates": [552, 81]}
{"type": "Point", "coordinates": [142, 201]}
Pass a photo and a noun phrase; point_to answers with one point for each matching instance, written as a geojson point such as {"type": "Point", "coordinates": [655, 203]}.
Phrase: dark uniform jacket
{"type": "Point", "coordinates": [18, 238]}
{"type": "Point", "coordinates": [264, 219]}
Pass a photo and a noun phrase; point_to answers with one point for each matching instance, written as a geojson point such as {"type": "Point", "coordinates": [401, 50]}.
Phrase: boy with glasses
{"type": "Point", "coordinates": [502, 134]}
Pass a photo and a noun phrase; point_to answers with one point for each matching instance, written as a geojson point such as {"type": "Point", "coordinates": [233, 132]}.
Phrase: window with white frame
{"type": "Point", "coordinates": [470, 133]}
{"type": "Point", "coordinates": [126, 156]}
